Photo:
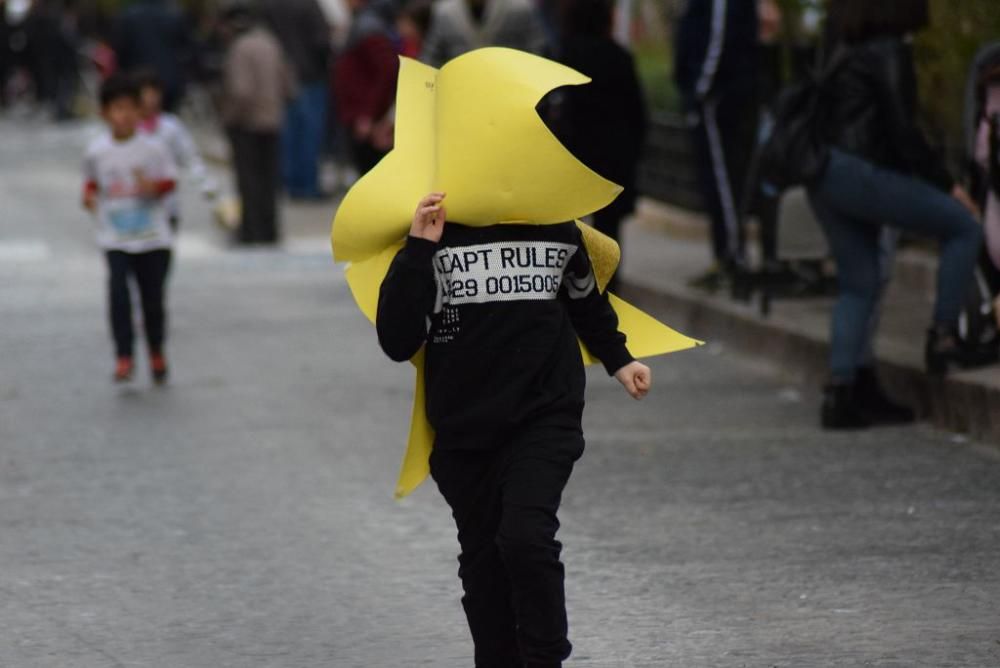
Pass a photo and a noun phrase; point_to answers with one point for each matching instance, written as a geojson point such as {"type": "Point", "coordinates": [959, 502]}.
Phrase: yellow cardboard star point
{"type": "Point", "coordinates": [471, 130]}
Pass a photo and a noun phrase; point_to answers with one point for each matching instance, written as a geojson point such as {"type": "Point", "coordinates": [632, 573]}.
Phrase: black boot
{"type": "Point", "coordinates": [945, 349]}
{"type": "Point", "coordinates": [841, 409]}
{"type": "Point", "coordinates": [875, 403]}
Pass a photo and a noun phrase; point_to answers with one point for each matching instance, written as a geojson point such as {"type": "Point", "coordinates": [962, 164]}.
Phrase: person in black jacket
{"type": "Point", "coordinates": [603, 123]}
{"type": "Point", "coordinates": [882, 171]}
{"type": "Point", "coordinates": [499, 309]}
{"type": "Point", "coordinates": [716, 71]}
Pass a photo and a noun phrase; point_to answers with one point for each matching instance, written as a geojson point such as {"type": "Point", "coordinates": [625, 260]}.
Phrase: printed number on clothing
{"type": "Point", "coordinates": [504, 271]}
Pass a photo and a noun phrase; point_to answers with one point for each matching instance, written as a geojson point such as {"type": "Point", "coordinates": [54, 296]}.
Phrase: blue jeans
{"type": "Point", "coordinates": [852, 200]}
{"type": "Point", "coordinates": [302, 140]}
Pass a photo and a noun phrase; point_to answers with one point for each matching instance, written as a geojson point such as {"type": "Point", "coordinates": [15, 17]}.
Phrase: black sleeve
{"type": "Point", "coordinates": [899, 102]}
{"type": "Point", "coordinates": [406, 299]}
{"type": "Point", "coordinates": [595, 322]}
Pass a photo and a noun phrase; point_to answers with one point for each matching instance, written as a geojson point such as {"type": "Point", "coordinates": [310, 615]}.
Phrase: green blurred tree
{"type": "Point", "coordinates": [944, 54]}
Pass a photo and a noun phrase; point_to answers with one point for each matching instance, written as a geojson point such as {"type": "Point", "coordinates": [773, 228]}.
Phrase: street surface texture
{"type": "Point", "coordinates": [242, 516]}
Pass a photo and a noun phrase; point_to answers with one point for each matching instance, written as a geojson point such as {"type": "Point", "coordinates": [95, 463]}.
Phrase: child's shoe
{"type": "Point", "coordinates": [158, 365]}
{"type": "Point", "coordinates": [123, 369]}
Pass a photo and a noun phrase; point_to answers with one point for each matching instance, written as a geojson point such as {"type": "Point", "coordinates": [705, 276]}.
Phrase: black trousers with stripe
{"type": "Point", "coordinates": [725, 137]}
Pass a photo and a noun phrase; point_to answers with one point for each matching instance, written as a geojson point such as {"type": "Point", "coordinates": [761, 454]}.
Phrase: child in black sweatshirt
{"type": "Point", "coordinates": [499, 309]}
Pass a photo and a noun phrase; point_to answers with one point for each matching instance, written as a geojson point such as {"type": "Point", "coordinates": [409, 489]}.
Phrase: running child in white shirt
{"type": "Point", "coordinates": [127, 178]}
{"type": "Point", "coordinates": [170, 130]}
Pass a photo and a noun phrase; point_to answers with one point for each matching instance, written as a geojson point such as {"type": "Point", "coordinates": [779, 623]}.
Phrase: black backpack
{"type": "Point", "coordinates": [795, 152]}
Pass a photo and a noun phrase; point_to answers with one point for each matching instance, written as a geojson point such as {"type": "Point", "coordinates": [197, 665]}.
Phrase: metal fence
{"type": "Point", "coordinates": [669, 168]}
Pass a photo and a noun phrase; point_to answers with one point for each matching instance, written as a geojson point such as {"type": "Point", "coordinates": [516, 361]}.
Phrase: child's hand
{"type": "Point", "coordinates": [636, 378]}
{"type": "Point", "coordinates": [428, 221]}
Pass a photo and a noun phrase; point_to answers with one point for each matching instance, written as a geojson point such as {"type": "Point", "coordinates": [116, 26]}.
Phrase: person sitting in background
{"type": "Point", "coordinates": [881, 171]}
{"type": "Point", "coordinates": [603, 123]}
{"type": "Point", "coordinates": [256, 84]}
{"type": "Point", "coordinates": [458, 26]}
{"type": "Point", "coordinates": [171, 131]}
{"type": "Point", "coordinates": [365, 84]}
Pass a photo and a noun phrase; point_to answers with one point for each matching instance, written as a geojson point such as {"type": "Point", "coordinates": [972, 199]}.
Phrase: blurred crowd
{"type": "Point", "coordinates": [298, 82]}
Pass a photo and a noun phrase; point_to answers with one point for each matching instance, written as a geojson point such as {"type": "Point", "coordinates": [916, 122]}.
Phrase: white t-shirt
{"type": "Point", "coordinates": [170, 130]}
{"type": "Point", "coordinates": [127, 221]}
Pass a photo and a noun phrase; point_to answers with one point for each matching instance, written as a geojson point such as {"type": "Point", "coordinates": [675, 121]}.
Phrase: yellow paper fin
{"type": "Point", "coordinates": [377, 210]}
{"type": "Point", "coordinates": [496, 158]}
{"type": "Point", "coordinates": [645, 335]}
{"type": "Point", "coordinates": [604, 252]}
{"type": "Point", "coordinates": [416, 462]}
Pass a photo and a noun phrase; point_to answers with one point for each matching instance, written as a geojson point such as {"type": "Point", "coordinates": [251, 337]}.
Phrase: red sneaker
{"type": "Point", "coordinates": [158, 365]}
{"type": "Point", "coordinates": [123, 369]}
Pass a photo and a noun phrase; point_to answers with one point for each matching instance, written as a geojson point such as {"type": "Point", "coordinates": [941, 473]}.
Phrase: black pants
{"type": "Point", "coordinates": [724, 140]}
{"type": "Point", "coordinates": [255, 157]}
{"type": "Point", "coordinates": [504, 503]}
{"type": "Point", "coordinates": [150, 273]}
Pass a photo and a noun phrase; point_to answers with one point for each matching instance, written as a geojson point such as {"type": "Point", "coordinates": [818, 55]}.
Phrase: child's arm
{"type": "Point", "coordinates": [186, 155]}
{"type": "Point", "coordinates": [153, 188]}
{"type": "Point", "coordinates": [409, 290]}
{"type": "Point", "coordinates": [89, 198]}
{"type": "Point", "coordinates": [90, 188]}
{"type": "Point", "coordinates": [159, 177]}
{"type": "Point", "coordinates": [596, 323]}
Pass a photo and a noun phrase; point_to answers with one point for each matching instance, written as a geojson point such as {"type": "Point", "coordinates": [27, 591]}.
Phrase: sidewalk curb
{"type": "Point", "coordinates": [965, 402]}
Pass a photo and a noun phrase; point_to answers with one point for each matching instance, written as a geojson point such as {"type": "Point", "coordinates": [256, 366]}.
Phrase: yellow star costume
{"type": "Point", "coordinates": [471, 130]}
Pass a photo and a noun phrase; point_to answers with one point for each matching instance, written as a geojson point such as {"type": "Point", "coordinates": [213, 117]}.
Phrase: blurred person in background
{"type": "Point", "coordinates": [154, 34]}
{"type": "Point", "coordinates": [127, 177]}
{"type": "Point", "coordinates": [459, 26]}
{"type": "Point", "coordinates": [66, 65]}
{"type": "Point", "coordinates": [603, 123]}
{"type": "Point", "coordinates": [306, 38]}
{"type": "Point", "coordinates": [168, 129]}
{"type": "Point", "coordinates": [412, 24]}
{"type": "Point", "coordinates": [716, 71]}
{"type": "Point", "coordinates": [365, 83]}
{"type": "Point", "coordinates": [257, 84]}
{"type": "Point", "coordinates": [882, 171]}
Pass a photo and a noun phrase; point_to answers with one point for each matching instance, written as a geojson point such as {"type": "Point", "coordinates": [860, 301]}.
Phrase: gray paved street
{"type": "Point", "coordinates": [242, 516]}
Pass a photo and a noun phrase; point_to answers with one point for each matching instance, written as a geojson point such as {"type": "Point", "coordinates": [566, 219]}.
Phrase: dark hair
{"type": "Point", "coordinates": [858, 20]}
{"type": "Point", "coordinates": [116, 87]}
{"type": "Point", "coordinates": [147, 78]}
{"type": "Point", "coordinates": [418, 11]}
{"type": "Point", "coordinates": [587, 17]}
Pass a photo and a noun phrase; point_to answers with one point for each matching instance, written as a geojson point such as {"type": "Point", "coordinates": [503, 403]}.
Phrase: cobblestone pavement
{"type": "Point", "coordinates": [243, 516]}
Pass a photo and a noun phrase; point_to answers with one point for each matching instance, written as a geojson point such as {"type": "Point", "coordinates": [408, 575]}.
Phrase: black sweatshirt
{"type": "Point", "coordinates": [500, 309]}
